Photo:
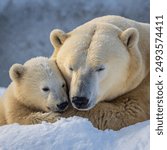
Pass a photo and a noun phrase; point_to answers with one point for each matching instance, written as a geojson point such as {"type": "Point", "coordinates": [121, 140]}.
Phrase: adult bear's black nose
{"type": "Point", "coordinates": [62, 106]}
{"type": "Point", "coordinates": [80, 102]}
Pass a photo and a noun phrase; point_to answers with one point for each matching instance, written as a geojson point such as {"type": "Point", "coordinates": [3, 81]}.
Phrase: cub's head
{"type": "Point", "coordinates": [39, 84]}
{"type": "Point", "coordinates": [98, 61]}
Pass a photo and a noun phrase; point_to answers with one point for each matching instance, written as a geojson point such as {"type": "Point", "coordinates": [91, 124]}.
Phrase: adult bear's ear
{"type": "Point", "coordinates": [57, 38]}
{"type": "Point", "coordinates": [16, 72]}
{"type": "Point", "coordinates": [130, 37]}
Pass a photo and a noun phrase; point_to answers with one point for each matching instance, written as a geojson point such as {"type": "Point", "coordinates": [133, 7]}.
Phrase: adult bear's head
{"type": "Point", "coordinates": [99, 62]}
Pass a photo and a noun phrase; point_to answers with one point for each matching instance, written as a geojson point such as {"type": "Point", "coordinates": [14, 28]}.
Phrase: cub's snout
{"type": "Point", "coordinates": [58, 107]}
{"type": "Point", "coordinates": [62, 106]}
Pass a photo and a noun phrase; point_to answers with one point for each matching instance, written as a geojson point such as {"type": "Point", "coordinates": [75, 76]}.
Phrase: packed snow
{"type": "Point", "coordinates": [73, 133]}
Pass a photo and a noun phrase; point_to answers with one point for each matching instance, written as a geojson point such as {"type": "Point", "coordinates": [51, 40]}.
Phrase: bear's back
{"type": "Point", "coordinates": [121, 22]}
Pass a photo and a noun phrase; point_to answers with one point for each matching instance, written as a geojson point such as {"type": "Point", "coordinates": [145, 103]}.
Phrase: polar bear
{"type": "Point", "coordinates": [36, 92]}
{"type": "Point", "coordinates": [106, 65]}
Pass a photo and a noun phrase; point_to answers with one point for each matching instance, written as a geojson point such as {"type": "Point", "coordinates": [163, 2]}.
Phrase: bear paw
{"type": "Point", "coordinates": [48, 117]}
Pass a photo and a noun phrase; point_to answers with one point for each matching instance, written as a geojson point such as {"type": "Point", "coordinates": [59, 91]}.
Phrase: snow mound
{"type": "Point", "coordinates": [73, 133]}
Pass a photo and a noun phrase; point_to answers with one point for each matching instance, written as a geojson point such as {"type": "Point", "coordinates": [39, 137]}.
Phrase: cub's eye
{"type": "Point", "coordinates": [100, 69]}
{"type": "Point", "coordinates": [63, 85]}
{"type": "Point", "coordinates": [71, 69]}
{"type": "Point", "coordinates": [45, 89]}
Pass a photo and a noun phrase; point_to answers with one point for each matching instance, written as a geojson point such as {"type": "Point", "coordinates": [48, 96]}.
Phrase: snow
{"type": "Point", "coordinates": [73, 133]}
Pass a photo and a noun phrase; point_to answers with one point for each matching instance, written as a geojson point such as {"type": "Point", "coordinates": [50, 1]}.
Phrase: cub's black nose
{"type": "Point", "coordinates": [62, 106]}
{"type": "Point", "coordinates": [80, 102]}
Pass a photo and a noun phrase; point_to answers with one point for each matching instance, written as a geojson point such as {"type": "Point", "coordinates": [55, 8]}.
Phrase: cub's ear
{"type": "Point", "coordinates": [57, 38]}
{"type": "Point", "coordinates": [16, 72]}
{"type": "Point", "coordinates": [130, 37]}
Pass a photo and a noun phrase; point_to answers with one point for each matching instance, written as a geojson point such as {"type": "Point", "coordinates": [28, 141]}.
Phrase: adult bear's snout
{"type": "Point", "coordinates": [80, 102]}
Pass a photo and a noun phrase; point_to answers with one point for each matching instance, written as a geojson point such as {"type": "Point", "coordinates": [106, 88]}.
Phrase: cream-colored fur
{"type": "Point", "coordinates": [106, 61]}
{"type": "Point", "coordinates": [34, 94]}
{"type": "Point", "coordinates": [123, 111]}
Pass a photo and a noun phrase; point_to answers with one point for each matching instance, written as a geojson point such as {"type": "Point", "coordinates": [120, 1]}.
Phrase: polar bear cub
{"type": "Point", "coordinates": [37, 91]}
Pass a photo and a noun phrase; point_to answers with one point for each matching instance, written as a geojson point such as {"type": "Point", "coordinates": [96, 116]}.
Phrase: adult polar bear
{"type": "Point", "coordinates": [106, 60]}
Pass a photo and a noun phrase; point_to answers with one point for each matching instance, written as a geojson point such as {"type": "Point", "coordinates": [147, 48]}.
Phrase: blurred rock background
{"type": "Point", "coordinates": [25, 25]}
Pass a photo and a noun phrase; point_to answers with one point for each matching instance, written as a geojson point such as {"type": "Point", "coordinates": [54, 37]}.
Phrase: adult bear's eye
{"type": "Point", "coordinates": [71, 69]}
{"type": "Point", "coordinates": [45, 89]}
{"type": "Point", "coordinates": [100, 69]}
